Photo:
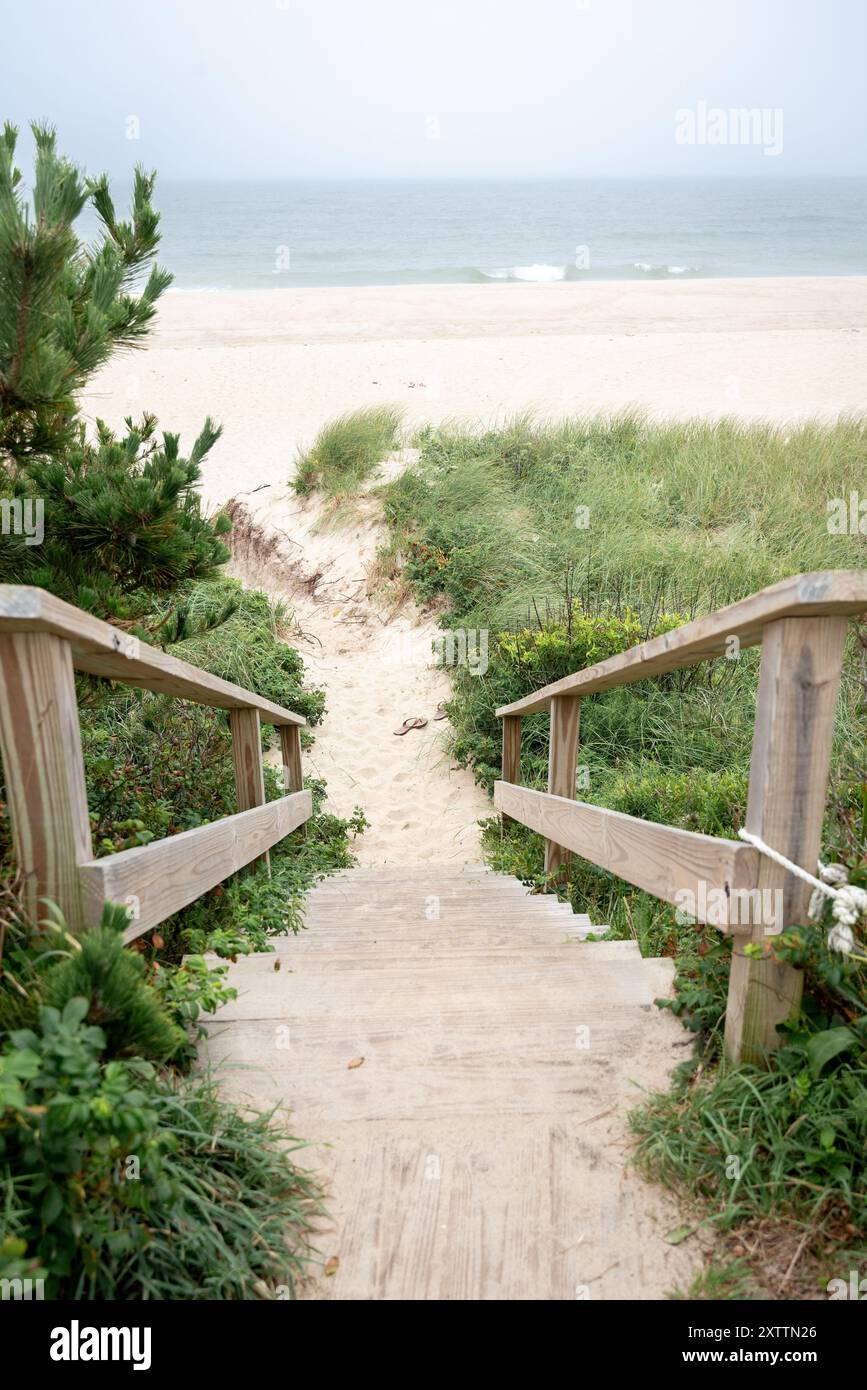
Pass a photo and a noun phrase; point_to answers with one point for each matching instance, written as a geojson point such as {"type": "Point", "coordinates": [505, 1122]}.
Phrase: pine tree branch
{"type": "Point", "coordinates": [22, 325]}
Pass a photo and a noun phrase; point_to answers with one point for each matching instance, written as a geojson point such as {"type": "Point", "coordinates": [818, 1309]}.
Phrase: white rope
{"type": "Point", "coordinates": [758, 843]}
{"type": "Point", "coordinates": [850, 902]}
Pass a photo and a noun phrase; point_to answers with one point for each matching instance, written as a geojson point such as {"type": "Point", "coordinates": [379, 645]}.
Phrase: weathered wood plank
{"type": "Point", "coordinates": [483, 1067]}
{"type": "Point", "coordinates": [247, 758]}
{"type": "Point", "coordinates": [103, 650]}
{"type": "Point", "coordinates": [511, 753]}
{"type": "Point", "coordinates": [798, 687]}
{"type": "Point", "coordinates": [43, 770]}
{"type": "Point", "coordinates": [247, 762]}
{"type": "Point", "coordinates": [160, 878]}
{"type": "Point", "coordinates": [290, 747]}
{"type": "Point", "coordinates": [828, 593]}
{"type": "Point", "coordinates": [705, 876]}
{"type": "Point", "coordinates": [562, 761]}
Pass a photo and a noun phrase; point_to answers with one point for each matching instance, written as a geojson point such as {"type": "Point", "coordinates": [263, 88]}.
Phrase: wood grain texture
{"type": "Point", "coordinates": [562, 762]}
{"type": "Point", "coordinates": [511, 753]}
{"type": "Point", "coordinates": [160, 878]}
{"type": "Point", "coordinates": [826, 593]}
{"type": "Point", "coordinates": [43, 770]}
{"type": "Point", "coordinates": [798, 687]}
{"type": "Point", "coordinates": [479, 1150]}
{"type": "Point", "coordinates": [661, 859]}
{"type": "Point", "coordinates": [247, 758]}
{"type": "Point", "coordinates": [104, 650]}
{"type": "Point", "coordinates": [247, 763]}
{"type": "Point", "coordinates": [290, 748]}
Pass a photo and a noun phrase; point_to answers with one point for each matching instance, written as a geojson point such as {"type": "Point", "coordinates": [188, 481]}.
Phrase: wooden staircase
{"type": "Point", "coordinates": [459, 1058]}
{"type": "Point", "coordinates": [477, 1150]}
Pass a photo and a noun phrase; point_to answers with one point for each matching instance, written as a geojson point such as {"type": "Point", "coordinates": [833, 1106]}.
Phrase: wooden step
{"type": "Point", "coordinates": [374, 987]}
{"type": "Point", "coordinates": [476, 1151]}
{"type": "Point", "coordinates": [418, 913]}
{"type": "Point", "coordinates": [335, 941]}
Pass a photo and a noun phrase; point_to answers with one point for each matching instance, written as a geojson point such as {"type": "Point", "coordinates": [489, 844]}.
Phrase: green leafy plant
{"type": "Point", "coordinates": [127, 1184]}
{"type": "Point", "coordinates": [122, 521]}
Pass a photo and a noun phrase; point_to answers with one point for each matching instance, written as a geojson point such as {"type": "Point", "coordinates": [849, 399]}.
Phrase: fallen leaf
{"type": "Point", "coordinates": [331, 1267]}
{"type": "Point", "coordinates": [356, 1062]}
{"type": "Point", "coordinates": [679, 1234]}
{"type": "Point", "coordinates": [278, 964]}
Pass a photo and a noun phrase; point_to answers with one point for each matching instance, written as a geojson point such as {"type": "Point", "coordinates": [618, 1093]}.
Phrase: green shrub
{"type": "Point", "coordinates": [126, 1184]}
{"type": "Point", "coordinates": [687, 516]}
{"type": "Point", "coordinates": [120, 1000]}
{"type": "Point", "coordinates": [122, 521]}
{"type": "Point", "coordinates": [777, 1154]}
{"type": "Point", "coordinates": [246, 647]}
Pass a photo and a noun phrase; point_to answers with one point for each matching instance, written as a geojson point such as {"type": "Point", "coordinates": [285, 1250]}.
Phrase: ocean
{"type": "Point", "coordinates": [257, 235]}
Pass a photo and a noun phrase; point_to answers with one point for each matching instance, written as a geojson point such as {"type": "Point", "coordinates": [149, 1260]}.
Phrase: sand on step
{"type": "Point", "coordinates": [461, 1082]}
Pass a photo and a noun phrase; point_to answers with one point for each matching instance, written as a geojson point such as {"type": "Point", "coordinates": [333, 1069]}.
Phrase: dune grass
{"type": "Point", "coordinates": [693, 515]}
{"type": "Point", "coordinates": [566, 542]}
{"type": "Point", "coordinates": [345, 452]}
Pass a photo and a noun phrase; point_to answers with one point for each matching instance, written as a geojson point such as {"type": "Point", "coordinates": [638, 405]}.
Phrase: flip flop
{"type": "Point", "coordinates": [440, 714]}
{"type": "Point", "coordinates": [415, 723]}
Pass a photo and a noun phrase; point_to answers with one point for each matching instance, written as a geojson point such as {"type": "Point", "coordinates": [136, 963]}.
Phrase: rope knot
{"type": "Point", "coordinates": [849, 903]}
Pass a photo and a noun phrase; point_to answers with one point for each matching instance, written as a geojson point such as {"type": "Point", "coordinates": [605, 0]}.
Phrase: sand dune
{"type": "Point", "coordinates": [275, 366]}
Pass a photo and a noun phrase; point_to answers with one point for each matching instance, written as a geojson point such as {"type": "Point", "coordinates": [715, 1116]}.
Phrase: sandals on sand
{"type": "Point", "coordinates": [415, 723]}
{"type": "Point", "coordinates": [419, 723]}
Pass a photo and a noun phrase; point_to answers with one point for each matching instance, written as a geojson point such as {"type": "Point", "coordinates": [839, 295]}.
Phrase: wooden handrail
{"type": "Point", "coordinates": [103, 650]}
{"type": "Point", "coordinates": [43, 641]}
{"type": "Point", "coordinates": [159, 879]}
{"type": "Point", "coordinates": [826, 593]}
{"type": "Point", "coordinates": [801, 625]}
{"type": "Point", "coordinates": [662, 859]}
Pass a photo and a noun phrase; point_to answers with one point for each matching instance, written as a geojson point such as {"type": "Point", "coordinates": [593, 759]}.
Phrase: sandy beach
{"type": "Point", "coordinates": [273, 366]}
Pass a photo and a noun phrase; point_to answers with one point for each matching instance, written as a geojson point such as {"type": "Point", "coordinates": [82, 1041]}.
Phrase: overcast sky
{"type": "Point", "coordinates": [282, 88]}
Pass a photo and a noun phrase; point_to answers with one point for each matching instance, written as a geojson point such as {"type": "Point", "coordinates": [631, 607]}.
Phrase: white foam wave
{"type": "Point", "coordinates": [646, 268]}
{"type": "Point", "coordinates": [538, 274]}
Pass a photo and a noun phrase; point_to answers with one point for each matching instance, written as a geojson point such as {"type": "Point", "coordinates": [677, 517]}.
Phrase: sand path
{"type": "Point", "coordinates": [377, 668]}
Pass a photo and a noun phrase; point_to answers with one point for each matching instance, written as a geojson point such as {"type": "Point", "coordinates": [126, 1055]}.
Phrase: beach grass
{"type": "Point", "coordinates": [345, 452]}
{"type": "Point", "coordinates": [565, 542]}
{"type": "Point", "coordinates": [694, 514]}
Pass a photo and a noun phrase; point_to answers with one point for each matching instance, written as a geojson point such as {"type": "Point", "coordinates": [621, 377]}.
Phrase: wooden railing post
{"type": "Point", "coordinates": [511, 753]}
{"type": "Point", "coordinates": [44, 770]}
{"type": "Point", "coordinates": [290, 747]}
{"type": "Point", "coordinates": [798, 685]}
{"type": "Point", "coordinates": [562, 766]}
{"type": "Point", "coordinates": [247, 759]}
